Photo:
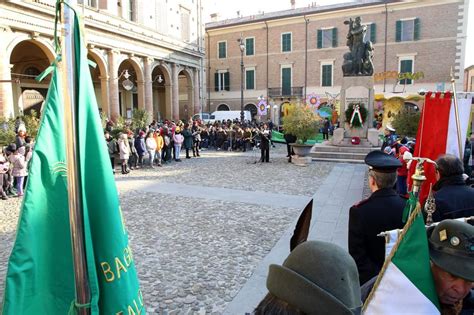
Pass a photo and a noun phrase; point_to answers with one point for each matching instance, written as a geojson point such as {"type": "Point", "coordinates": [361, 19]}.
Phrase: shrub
{"type": "Point", "coordinates": [301, 122]}
{"type": "Point", "coordinates": [406, 123]}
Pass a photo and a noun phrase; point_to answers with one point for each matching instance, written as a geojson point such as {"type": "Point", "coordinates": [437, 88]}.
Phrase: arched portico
{"type": "Point", "coordinates": [100, 80]}
{"type": "Point", "coordinates": [186, 95]}
{"type": "Point", "coordinates": [134, 98]}
{"type": "Point", "coordinates": [161, 91]}
{"type": "Point", "coordinates": [27, 59]}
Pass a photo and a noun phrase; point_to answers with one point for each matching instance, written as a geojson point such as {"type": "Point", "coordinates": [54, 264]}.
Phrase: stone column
{"type": "Point", "coordinates": [148, 87]}
{"type": "Point", "coordinates": [197, 88]}
{"type": "Point", "coordinates": [104, 94]}
{"type": "Point", "coordinates": [6, 89]}
{"type": "Point", "coordinates": [174, 92]}
{"type": "Point", "coordinates": [113, 85]}
{"type": "Point", "coordinates": [141, 94]}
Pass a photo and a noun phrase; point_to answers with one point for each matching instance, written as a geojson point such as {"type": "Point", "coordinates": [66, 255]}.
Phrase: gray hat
{"type": "Point", "coordinates": [452, 248]}
{"type": "Point", "coordinates": [317, 278]}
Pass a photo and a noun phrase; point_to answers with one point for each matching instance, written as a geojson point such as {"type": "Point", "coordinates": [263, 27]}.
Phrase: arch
{"type": "Point", "coordinates": [223, 107]}
{"type": "Point", "coordinates": [100, 61]}
{"type": "Point", "coordinates": [185, 90]}
{"type": "Point", "coordinates": [44, 45]}
{"type": "Point", "coordinates": [135, 98]}
{"type": "Point", "coordinates": [161, 92]}
{"type": "Point", "coordinates": [136, 67]}
{"type": "Point", "coordinates": [252, 108]}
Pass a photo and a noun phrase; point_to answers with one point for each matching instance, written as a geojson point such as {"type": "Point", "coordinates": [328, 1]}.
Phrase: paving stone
{"type": "Point", "coordinates": [195, 254]}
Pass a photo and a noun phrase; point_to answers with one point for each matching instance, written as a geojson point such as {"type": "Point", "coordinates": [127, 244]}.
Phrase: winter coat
{"type": "Point", "coordinates": [124, 149]}
{"type": "Point", "coordinates": [159, 142]}
{"type": "Point", "coordinates": [178, 139]}
{"type": "Point", "coordinates": [19, 165]}
{"type": "Point", "coordinates": [131, 145]}
{"type": "Point", "coordinates": [196, 131]}
{"type": "Point", "coordinates": [140, 146]}
{"type": "Point", "coordinates": [188, 139]}
{"type": "Point", "coordinates": [112, 146]}
{"type": "Point", "coordinates": [150, 144]}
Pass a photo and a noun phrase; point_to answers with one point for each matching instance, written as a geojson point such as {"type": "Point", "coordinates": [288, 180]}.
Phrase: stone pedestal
{"type": "Point", "coordinates": [358, 89]}
{"type": "Point", "coordinates": [301, 160]}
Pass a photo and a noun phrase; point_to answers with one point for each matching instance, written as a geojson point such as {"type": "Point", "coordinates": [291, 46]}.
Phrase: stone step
{"type": "Point", "coordinates": [338, 160]}
{"type": "Point", "coordinates": [339, 155]}
{"type": "Point", "coordinates": [351, 148]}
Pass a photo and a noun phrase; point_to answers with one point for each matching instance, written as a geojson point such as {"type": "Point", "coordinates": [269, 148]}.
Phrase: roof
{"type": "Point", "coordinates": [469, 68]}
{"type": "Point", "coordinates": [294, 12]}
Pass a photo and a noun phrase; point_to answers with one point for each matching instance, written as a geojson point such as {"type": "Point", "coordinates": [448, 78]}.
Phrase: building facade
{"type": "Point", "coordinates": [148, 55]}
{"type": "Point", "coordinates": [469, 79]}
{"type": "Point", "coordinates": [291, 55]}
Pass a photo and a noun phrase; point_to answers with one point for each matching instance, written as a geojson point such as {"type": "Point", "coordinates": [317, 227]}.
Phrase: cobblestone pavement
{"type": "Point", "coordinates": [194, 254]}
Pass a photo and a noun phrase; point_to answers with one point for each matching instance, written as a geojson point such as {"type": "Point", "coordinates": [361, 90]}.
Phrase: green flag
{"type": "Point", "coordinates": [40, 277]}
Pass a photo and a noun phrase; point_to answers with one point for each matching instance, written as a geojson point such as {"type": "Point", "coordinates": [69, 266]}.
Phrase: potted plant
{"type": "Point", "coordinates": [302, 122]}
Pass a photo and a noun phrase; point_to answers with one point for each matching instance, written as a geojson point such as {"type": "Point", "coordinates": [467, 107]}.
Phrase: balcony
{"type": "Point", "coordinates": [296, 91]}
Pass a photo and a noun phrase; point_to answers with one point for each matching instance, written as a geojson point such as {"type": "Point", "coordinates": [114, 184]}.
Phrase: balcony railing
{"type": "Point", "coordinates": [296, 91]}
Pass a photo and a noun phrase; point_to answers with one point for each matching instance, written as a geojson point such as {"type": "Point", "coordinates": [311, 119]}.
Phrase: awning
{"type": "Point", "coordinates": [404, 96]}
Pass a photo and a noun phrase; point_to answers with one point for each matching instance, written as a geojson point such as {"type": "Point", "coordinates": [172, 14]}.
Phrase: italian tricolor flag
{"type": "Point", "coordinates": [406, 284]}
{"type": "Point", "coordinates": [438, 133]}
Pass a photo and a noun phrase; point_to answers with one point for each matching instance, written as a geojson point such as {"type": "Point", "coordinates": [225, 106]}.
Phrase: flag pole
{"type": "Point", "coordinates": [456, 113]}
{"type": "Point", "coordinates": [68, 72]}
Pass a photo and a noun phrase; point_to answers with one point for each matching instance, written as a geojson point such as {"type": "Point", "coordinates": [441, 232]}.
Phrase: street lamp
{"type": "Point", "coordinates": [242, 48]}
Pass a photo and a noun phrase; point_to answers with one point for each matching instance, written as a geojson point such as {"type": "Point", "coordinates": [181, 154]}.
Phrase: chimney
{"type": "Point", "coordinates": [214, 17]}
{"type": "Point", "coordinates": [293, 2]}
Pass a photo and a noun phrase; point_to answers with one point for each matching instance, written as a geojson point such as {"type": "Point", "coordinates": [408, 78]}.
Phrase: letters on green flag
{"type": "Point", "coordinates": [40, 277]}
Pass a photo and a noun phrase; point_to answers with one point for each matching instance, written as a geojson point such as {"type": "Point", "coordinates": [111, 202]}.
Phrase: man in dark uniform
{"type": "Point", "coordinates": [382, 211]}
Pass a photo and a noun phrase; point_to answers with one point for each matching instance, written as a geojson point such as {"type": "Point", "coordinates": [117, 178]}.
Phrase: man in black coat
{"type": "Point", "coordinates": [265, 144]}
{"type": "Point", "coordinates": [453, 198]}
{"type": "Point", "coordinates": [381, 212]}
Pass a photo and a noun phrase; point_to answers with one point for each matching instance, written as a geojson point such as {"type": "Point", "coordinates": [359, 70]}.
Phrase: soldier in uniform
{"type": "Point", "coordinates": [382, 211]}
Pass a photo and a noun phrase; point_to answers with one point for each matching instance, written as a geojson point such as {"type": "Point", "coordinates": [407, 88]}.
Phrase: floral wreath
{"type": "Point", "coordinates": [356, 114]}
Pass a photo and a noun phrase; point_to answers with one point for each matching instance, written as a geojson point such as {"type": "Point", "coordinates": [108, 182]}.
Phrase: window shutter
{"type": "Point", "coordinates": [416, 32]}
{"type": "Point", "coordinates": [372, 33]}
{"type": "Point", "coordinates": [398, 31]}
{"type": "Point", "coordinates": [216, 81]}
{"type": "Point", "coordinates": [334, 37]}
{"type": "Point", "coordinates": [320, 39]}
{"type": "Point", "coordinates": [227, 81]}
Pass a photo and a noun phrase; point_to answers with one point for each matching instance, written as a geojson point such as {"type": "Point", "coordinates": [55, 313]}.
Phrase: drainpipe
{"type": "Point", "coordinates": [385, 51]}
{"type": "Point", "coordinates": [306, 22]}
{"type": "Point", "coordinates": [266, 25]}
{"type": "Point", "coordinates": [208, 72]}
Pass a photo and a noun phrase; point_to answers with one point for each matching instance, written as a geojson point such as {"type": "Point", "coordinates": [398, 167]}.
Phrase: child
{"type": "Point", "coordinates": [124, 152]}
{"type": "Point", "coordinates": [17, 159]}
{"type": "Point", "coordinates": [178, 141]}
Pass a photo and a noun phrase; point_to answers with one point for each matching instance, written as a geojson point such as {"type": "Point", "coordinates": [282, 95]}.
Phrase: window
{"type": "Point", "coordinates": [326, 73]}
{"type": "Point", "coordinates": [371, 32]}
{"type": "Point", "coordinates": [408, 30]}
{"type": "Point", "coordinates": [249, 46]}
{"type": "Point", "coordinates": [185, 24]}
{"type": "Point", "coordinates": [472, 84]}
{"type": "Point", "coordinates": [250, 79]}
{"type": "Point", "coordinates": [327, 38]}
{"type": "Point", "coordinates": [222, 50]}
{"type": "Point", "coordinates": [132, 11]}
{"type": "Point", "coordinates": [286, 42]}
{"type": "Point", "coordinates": [286, 80]}
{"type": "Point", "coordinates": [90, 3]}
{"type": "Point", "coordinates": [222, 81]}
{"type": "Point", "coordinates": [406, 65]}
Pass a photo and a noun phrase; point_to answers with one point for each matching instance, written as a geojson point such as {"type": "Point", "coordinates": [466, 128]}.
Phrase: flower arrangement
{"type": "Point", "coordinates": [356, 115]}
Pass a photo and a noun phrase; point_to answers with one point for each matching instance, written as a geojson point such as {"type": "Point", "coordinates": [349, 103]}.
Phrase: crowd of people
{"type": "Point", "coordinates": [164, 142]}
{"type": "Point", "coordinates": [14, 164]}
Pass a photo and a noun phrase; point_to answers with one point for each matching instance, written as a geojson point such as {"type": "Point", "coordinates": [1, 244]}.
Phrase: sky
{"type": "Point", "coordinates": [229, 9]}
